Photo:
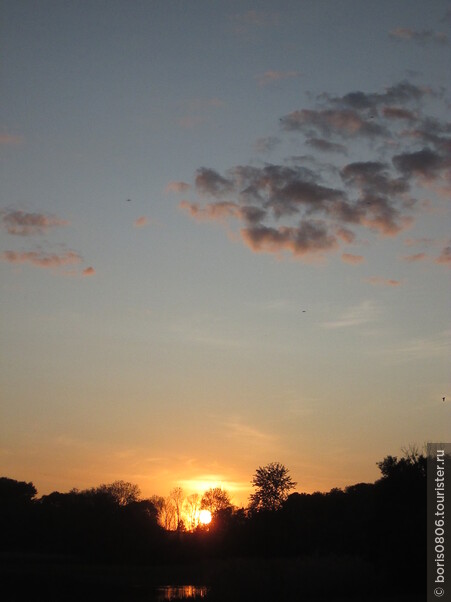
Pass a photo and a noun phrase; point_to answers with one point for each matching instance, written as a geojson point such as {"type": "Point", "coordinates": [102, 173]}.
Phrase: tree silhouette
{"type": "Point", "coordinates": [272, 483]}
{"type": "Point", "coordinates": [192, 506]}
{"type": "Point", "coordinates": [215, 499]}
{"type": "Point", "coordinates": [122, 492]}
{"type": "Point", "coordinates": [177, 496]}
{"type": "Point", "coordinates": [16, 492]}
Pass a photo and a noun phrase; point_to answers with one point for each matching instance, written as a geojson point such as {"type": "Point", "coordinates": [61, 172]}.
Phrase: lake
{"type": "Point", "coordinates": [180, 592]}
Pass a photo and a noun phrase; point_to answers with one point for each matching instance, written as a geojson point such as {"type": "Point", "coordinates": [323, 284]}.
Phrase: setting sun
{"type": "Point", "coordinates": [205, 517]}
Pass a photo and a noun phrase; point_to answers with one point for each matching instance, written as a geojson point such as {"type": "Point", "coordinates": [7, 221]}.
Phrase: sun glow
{"type": "Point", "coordinates": [205, 517]}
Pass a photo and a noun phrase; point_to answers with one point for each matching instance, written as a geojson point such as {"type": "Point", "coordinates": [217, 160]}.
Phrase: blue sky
{"type": "Point", "coordinates": [163, 340]}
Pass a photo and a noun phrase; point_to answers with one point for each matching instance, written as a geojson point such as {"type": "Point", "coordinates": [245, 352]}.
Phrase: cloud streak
{"type": "Point", "coordinates": [422, 36]}
{"type": "Point", "coordinates": [271, 77]}
{"type": "Point", "coordinates": [365, 312]}
{"type": "Point", "coordinates": [10, 140]}
{"type": "Point", "coordinates": [141, 222]}
{"type": "Point", "coordinates": [42, 259]}
{"type": "Point", "coordinates": [379, 281]}
{"type": "Point", "coordinates": [22, 223]}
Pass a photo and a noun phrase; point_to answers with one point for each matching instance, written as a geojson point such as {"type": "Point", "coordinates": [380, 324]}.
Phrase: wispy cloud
{"type": "Point", "coordinates": [253, 20]}
{"type": "Point", "coordinates": [239, 430]}
{"type": "Point", "coordinates": [266, 145]}
{"type": "Point", "coordinates": [141, 222]}
{"type": "Point", "coordinates": [198, 110]}
{"type": "Point", "coordinates": [352, 259]}
{"type": "Point", "coordinates": [415, 257]}
{"type": "Point", "coordinates": [271, 77]}
{"type": "Point", "coordinates": [422, 36]}
{"type": "Point", "coordinates": [445, 256]}
{"type": "Point", "coordinates": [364, 313]}
{"type": "Point", "coordinates": [177, 187]}
{"type": "Point", "coordinates": [379, 281]}
{"type": "Point", "coordinates": [437, 345]}
{"type": "Point", "coordinates": [22, 223]}
{"type": "Point", "coordinates": [42, 259]}
{"type": "Point", "coordinates": [10, 139]}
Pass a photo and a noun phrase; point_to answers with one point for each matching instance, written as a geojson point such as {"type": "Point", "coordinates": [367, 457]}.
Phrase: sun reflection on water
{"type": "Point", "coordinates": [181, 592]}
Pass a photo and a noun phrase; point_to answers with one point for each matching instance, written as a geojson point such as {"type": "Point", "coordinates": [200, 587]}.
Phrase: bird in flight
{"type": "Point", "coordinates": [129, 200]}
{"type": "Point", "coordinates": [443, 399]}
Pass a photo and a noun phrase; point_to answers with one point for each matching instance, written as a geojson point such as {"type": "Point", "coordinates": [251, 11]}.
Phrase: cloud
{"type": "Point", "coordinates": [425, 163]}
{"type": "Point", "coordinates": [22, 223]}
{"type": "Point", "coordinates": [378, 281]}
{"type": "Point", "coordinates": [309, 237]}
{"type": "Point", "coordinates": [377, 190]}
{"type": "Point", "coordinates": [445, 256]}
{"type": "Point", "coordinates": [89, 271]}
{"type": "Point", "coordinates": [266, 145]}
{"type": "Point", "coordinates": [177, 187]}
{"type": "Point", "coordinates": [413, 242]}
{"type": "Point", "coordinates": [42, 259]}
{"type": "Point", "coordinates": [197, 111]}
{"type": "Point", "coordinates": [325, 146]}
{"type": "Point", "coordinates": [270, 77]}
{"type": "Point", "coordinates": [305, 207]}
{"type": "Point", "coordinates": [223, 210]}
{"type": "Point", "coordinates": [243, 431]}
{"type": "Point", "coordinates": [423, 36]}
{"type": "Point", "coordinates": [399, 113]}
{"type": "Point", "coordinates": [438, 345]}
{"type": "Point", "coordinates": [352, 259]}
{"type": "Point", "coordinates": [252, 20]}
{"type": "Point", "coordinates": [208, 181]}
{"type": "Point", "coordinates": [141, 222]}
{"type": "Point", "coordinates": [190, 121]}
{"type": "Point", "coordinates": [415, 257]}
{"type": "Point", "coordinates": [365, 312]}
{"type": "Point", "coordinates": [10, 140]}
{"type": "Point", "coordinates": [346, 123]}
{"type": "Point", "coordinates": [400, 93]}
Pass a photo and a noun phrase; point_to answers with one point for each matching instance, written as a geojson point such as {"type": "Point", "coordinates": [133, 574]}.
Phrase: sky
{"type": "Point", "coordinates": [225, 240]}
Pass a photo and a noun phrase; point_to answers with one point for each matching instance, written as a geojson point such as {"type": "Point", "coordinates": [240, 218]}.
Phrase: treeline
{"type": "Point", "coordinates": [382, 524]}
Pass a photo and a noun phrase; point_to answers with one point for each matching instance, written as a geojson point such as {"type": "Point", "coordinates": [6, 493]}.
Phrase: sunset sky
{"type": "Point", "coordinates": [225, 239]}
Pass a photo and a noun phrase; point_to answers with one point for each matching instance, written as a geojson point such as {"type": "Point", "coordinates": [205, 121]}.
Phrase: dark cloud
{"type": "Point", "coordinates": [400, 93]}
{"type": "Point", "coordinates": [346, 123]}
{"type": "Point", "coordinates": [22, 223]}
{"type": "Point", "coordinates": [313, 207]}
{"type": "Point", "coordinates": [325, 146]}
{"type": "Point", "coordinates": [372, 177]}
{"type": "Point", "coordinates": [224, 210]}
{"type": "Point", "coordinates": [398, 113]}
{"type": "Point", "coordinates": [424, 163]}
{"type": "Point", "coordinates": [308, 237]}
{"type": "Point", "coordinates": [208, 181]}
